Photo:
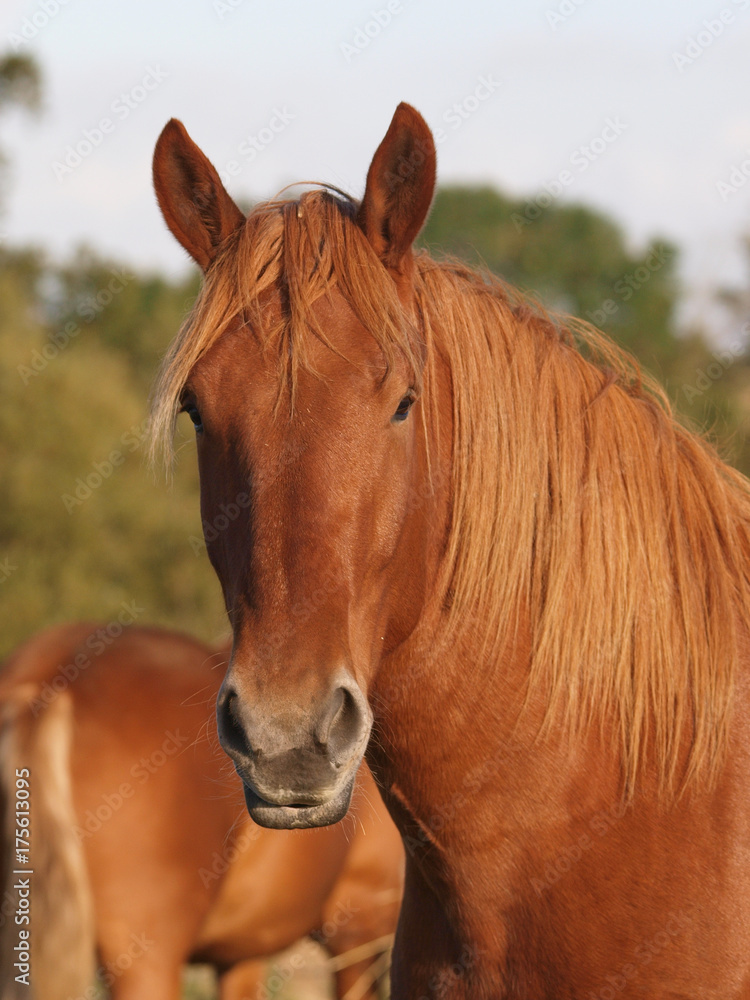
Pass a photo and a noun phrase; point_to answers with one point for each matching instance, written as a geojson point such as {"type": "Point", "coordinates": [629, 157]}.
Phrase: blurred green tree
{"type": "Point", "coordinates": [20, 87]}
{"type": "Point", "coordinates": [136, 315]}
{"type": "Point", "coordinates": [84, 526]}
{"type": "Point", "coordinates": [20, 82]}
{"type": "Point", "coordinates": [571, 258]}
{"type": "Point", "coordinates": [717, 386]}
{"type": "Point", "coordinates": [575, 260]}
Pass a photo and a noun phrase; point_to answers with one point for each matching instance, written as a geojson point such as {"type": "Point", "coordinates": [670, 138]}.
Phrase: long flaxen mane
{"type": "Point", "coordinates": [578, 502]}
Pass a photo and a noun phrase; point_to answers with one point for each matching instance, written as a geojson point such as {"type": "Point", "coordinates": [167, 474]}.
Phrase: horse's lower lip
{"type": "Point", "coordinates": [291, 817]}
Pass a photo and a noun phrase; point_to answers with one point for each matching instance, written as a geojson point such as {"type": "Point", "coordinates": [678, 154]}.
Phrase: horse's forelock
{"type": "Point", "coordinates": [301, 249]}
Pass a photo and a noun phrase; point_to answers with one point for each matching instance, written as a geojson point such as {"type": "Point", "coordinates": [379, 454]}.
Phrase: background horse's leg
{"type": "Point", "coordinates": [157, 978]}
{"type": "Point", "coordinates": [365, 979]}
{"type": "Point", "coordinates": [364, 904]}
{"type": "Point", "coordinates": [244, 981]}
{"type": "Point", "coordinates": [359, 921]}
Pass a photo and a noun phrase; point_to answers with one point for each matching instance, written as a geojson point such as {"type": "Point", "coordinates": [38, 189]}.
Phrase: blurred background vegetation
{"type": "Point", "coordinates": [86, 527]}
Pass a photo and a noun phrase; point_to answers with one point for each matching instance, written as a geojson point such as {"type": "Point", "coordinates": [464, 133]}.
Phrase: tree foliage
{"type": "Point", "coordinates": [575, 260]}
{"type": "Point", "coordinates": [84, 524]}
{"type": "Point", "coordinates": [20, 83]}
{"type": "Point", "coordinates": [20, 87]}
{"type": "Point", "coordinates": [572, 258]}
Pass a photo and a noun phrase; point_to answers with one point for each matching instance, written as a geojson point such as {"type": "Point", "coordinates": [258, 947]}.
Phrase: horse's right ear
{"type": "Point", "coordinates": [194, 203]}
{"type": "Point", "coordinates": [399, 189]}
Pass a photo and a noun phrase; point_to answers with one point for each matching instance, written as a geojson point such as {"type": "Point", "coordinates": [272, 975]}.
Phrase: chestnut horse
{"type": "Point", "coordinates": [484, 553]}
{"type": "Point", "coordinates": [140, 850]}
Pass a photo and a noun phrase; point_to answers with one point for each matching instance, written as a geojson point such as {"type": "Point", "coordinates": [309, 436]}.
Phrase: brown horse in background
{"type": "Point", "coordinates": [487, 555]}
{"type": "Point", "coordinates": [143, 856]}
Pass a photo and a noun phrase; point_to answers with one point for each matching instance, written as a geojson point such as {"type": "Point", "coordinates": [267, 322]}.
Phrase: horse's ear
{"type": "Point", "coordinates": [399, 189]}
{"type": "Point", "coordinates": [195, 205]}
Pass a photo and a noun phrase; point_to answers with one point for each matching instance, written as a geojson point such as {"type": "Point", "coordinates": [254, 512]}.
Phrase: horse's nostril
{"type": "Point", "coordinates": [232, 704]}
{"type": "Point", "coordinates": [232, 731]}
{"type": "Point", "coordinates": [326, 737]}
{"type": "Point", "coordinates": [341, 726]}
{"type": "Point", "coordinates": [327, 721]}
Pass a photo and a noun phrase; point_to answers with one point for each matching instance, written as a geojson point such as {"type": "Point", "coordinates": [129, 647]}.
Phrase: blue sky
{"type": "Point", "coordinates": [292, 90]}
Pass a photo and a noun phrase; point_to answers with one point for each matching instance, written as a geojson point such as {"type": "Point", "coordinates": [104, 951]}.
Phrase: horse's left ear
{"type": "Point", "coordinates": [192, 199]}
{"type": "Point", "coordinates": [399, 190]}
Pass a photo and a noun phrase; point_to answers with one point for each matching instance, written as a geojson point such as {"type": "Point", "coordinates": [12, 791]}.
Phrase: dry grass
{"type": "Point", "coordinates": [312, 981]}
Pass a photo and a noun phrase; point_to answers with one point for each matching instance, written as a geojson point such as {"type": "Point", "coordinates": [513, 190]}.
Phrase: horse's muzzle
{"type": "Point", "coordinates": [297, 767]}
{"type": "Point", "coordinates": [297, 816]}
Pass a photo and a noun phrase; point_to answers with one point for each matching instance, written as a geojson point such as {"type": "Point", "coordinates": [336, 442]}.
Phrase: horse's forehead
{"type": "Point", "coordinates": [336, 346]}
{"type": "Point", "coordinates": [337, 321]}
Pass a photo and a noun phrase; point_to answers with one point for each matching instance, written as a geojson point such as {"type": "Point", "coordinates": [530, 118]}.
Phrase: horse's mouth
{"type": "Point", "coordinates": [297, 817]}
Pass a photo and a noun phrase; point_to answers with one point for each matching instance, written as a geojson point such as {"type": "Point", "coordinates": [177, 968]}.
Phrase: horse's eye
{"type": "Point", "coordinates": [192, 411]}
{"type": "Point", "coordinates": [402, 410]}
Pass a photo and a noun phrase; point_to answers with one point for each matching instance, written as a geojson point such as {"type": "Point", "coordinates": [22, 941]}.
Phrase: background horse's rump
{"type": "Point", "coordinates": [142, 852]}
{"type": "Point", "coordinates": [35, 754]}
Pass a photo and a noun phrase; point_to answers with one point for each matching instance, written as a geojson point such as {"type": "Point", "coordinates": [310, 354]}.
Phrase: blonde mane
{"type": "Point", "coordinates": [577, 499]}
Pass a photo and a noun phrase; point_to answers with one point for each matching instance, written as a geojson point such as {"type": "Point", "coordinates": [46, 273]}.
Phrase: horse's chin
{"type": "Point", "coordinates": [291, 817]}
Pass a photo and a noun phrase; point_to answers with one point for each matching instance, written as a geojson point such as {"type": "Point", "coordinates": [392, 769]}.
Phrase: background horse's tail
{"type": "Point", "coordinates": [35, 735]}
